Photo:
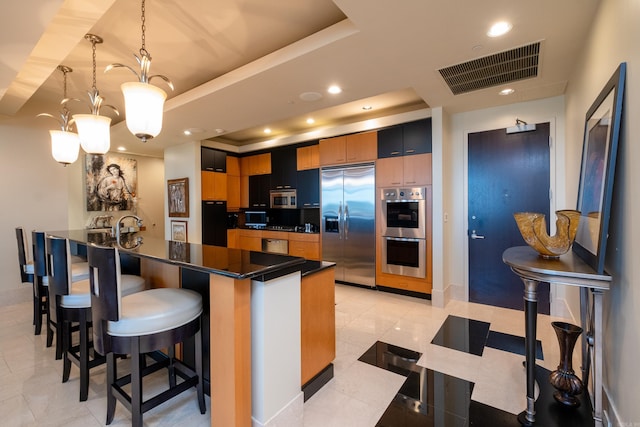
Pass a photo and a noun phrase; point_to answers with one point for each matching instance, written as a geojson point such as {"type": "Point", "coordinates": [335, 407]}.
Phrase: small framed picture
{"type": "Point", "coordinates": [179, 231]}
{"type": "Point", "coordinates": [178, 191]}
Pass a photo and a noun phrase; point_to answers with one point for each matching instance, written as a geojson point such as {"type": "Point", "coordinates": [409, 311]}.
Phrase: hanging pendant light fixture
{"type": "Point", "coordinates": [143, 102]}
{"type": "Point", "coordinates": [93, 129]}
{"type": "Point", "coordinates": [65, 144]}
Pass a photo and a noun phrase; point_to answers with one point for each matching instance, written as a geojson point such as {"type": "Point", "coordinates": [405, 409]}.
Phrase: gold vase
{"type": "Point", "coordinates": [533, 228]}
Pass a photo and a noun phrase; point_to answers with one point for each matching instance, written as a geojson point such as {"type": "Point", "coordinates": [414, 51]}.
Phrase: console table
{"type": "Point", "coordinates": [570, 270]}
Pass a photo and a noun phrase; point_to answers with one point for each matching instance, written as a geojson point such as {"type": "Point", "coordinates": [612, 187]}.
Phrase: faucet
{"type": "Point", "coordinates": [120, 221]}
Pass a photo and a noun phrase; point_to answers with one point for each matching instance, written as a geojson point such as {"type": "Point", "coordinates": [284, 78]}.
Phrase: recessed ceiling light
{"type": "Point", "coordinates": [507, 91]}
{"type": "Point", "coordinates": [499, 28]}
{"type": "Point", "coordinates": [334, 89]}
{"type": "Point", "coordinates": [367, 107]}
{"type": "Point", "coordinates": [121, 148]}
{"type": "Point", "coordinates": [219, 131]}
{"type": "Point", "coordinates": [310, 121]}
{"type": "Point", "coordinates": [187, 132]}
{"type": "Point", "coordinates": [192, 131]}
{"type": "Point", "coordinates": [267, 131]}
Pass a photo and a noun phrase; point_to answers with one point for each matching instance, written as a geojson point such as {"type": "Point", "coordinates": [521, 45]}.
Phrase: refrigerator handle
{"type": "Point", "coordinates": [340, 221]}
{"type": "Point", "coordinates": [346, 221]}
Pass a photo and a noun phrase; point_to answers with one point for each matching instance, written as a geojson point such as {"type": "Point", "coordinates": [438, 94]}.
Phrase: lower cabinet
{"type": "Point", "coordinates": [318, 322]}
{"type": "Point", "coordinates": [305, 245]}
{"type": "Point", "coordinates": [214, 223]}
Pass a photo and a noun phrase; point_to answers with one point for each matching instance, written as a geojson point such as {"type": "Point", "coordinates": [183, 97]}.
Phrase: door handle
{"type": "Point", "coordinates": [475, 236]}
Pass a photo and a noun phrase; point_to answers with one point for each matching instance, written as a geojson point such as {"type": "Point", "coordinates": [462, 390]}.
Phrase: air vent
{"type": "Point", "coordinates": [493, 70]}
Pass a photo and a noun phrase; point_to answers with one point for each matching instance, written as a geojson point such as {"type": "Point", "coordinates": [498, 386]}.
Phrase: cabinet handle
{"type": "Point", "coordinates": [410, 151]}
{"type": "Point", "coordinates": [306, 204]}
{"type": "Point", "coordinates": [208, 168]}
{"type": "Point", "coordinates": [219, 170]}
{"type": "Point", "coordinates": [394, 153]}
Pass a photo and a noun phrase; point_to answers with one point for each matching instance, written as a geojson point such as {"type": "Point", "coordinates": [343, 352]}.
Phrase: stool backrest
{"type": "Point", "coordinates": [23, 249]}
{"type": "Point", "coordinates": [104, 275]}
{"type": "Point", "coordinates": [39, 253]}
{"type": "Point", "coordinates": [58, 266]}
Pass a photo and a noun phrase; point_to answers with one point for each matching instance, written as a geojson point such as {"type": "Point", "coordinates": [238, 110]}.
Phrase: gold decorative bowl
{"type": "Point", "coordinates": [533, 228]}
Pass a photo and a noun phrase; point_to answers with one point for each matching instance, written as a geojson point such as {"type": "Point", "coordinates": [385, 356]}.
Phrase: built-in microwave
{"type": "Point", "coordinates": [283, 199]}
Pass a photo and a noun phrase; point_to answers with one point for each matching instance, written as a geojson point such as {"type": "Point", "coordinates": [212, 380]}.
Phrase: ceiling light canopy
{"type": "Point", "coordinates": [93, 129]}
{"type": "Point", "coordinates": [65, 144]}
{"type": "Point", "coordinates": [143, 102]}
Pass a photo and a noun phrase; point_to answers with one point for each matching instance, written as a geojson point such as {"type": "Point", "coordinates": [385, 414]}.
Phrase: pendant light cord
{"type": "Point", "coordinates": [93, 48]}
{"type": "Point", "coordinates": [143, 49]}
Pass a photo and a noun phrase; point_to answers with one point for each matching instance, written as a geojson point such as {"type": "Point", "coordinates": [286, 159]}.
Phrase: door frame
{"type": "Point", "coordinates": [556, 309]}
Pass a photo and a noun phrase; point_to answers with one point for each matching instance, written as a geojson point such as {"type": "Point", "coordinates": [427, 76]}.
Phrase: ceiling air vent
{"type": "Point", "coordinates": [493, 70]}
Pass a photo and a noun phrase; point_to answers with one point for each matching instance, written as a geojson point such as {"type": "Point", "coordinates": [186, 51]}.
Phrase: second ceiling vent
{"type": "Point", "coordinates": [493, 70]}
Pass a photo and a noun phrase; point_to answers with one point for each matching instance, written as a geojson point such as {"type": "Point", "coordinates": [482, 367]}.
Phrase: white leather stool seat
{"type": "Point", "coordinates": [29, 268]}
{"type": "Point", "coordinates": [80, 296]}
{"type": "Point", "coordinates": [155, 310]}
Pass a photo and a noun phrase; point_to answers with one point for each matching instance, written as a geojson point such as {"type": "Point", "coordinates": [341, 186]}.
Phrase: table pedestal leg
{"type": "Point", "coordinates": [527, 417]}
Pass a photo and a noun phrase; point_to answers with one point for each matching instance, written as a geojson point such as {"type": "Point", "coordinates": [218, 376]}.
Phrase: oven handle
{"type": "Point", "coordinates": [403, 239]}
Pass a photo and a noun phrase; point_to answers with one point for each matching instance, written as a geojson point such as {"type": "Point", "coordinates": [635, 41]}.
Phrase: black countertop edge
{"type": "Point", "coordinates": [311, 267]}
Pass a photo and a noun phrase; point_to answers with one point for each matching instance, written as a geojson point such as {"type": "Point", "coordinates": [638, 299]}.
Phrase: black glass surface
{"type": "Point", "coordinates": [241, 264]}
{"type": "Point", "coordinates": [459, 333]}
{"type": "Point", "coordinates": [511, 343]}
{"type": "Point", "coordinates": [403, 252]}
{"type": "Point", "coordinates": [403, 214]}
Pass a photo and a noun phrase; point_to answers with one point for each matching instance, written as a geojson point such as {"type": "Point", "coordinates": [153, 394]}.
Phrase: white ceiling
{"type": "Point", "coordinates": [239, 66]}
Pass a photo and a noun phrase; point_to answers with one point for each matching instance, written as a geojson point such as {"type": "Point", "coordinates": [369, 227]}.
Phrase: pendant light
{"type": "Point", "coordinates": [93, 129]}
{"type": "Point", "coordinates": [143, 102]}
{"type": "Point", "coordinates": [65, 144]}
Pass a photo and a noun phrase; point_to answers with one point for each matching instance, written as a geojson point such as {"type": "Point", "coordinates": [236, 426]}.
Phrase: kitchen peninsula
{"type": "Point", "coordinates": [252, 324]}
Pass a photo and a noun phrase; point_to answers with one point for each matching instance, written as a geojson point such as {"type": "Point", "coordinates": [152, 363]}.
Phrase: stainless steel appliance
{"type": "Point", "coordinates": [404, 231]}
{"type": "Point", "coordinates": [404, 256]}
{"type": "Point", "coordinates": [403, 212]}
{"type": "Point", "coordinates": [255, 219]}
{"type": "Point", "coordinates": [276, 246]}
{"type": "Point", "coordinates": [348, 222]}
{"type": "Point", "coordinates": [283, 199]}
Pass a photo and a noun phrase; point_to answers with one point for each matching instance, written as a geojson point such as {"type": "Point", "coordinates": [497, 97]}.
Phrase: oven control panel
{"type": "Point", "coordinates": [417, 193]}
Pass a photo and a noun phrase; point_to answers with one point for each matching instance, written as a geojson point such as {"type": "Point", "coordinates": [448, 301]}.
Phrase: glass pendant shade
{"type": "Point", "coordinates": [94, 132]}
{"type": "Point", "coordinates": [144, 106]}
{"type": "Point", "coordinates": [64, 146]}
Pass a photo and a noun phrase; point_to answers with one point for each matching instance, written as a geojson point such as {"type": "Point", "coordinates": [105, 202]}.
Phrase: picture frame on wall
{"type": "Point", "coordinates": [601, 134]}
{"type": "Point", "coordinates": [179, 231]}
{"type": "Point", "coordinates": [179, 251]}
{"type": "Point", "coordinates": [178, 196]}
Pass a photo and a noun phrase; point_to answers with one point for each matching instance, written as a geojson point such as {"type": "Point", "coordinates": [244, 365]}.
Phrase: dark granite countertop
{"type": "Point", "coordinates": [310, 266]}
{"type": "Point", "coordinates": [242, 264]}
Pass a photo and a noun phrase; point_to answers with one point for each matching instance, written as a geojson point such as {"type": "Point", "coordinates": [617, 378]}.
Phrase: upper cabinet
{"type": "Point", "coordinates": [284, 168]}
{"type": "Point", "coordinates": [404, 171]}
{"type": "Point", "coordinates": [354, 148]}
{"type": "Point", "coordinates": [405, 140]}
{"type": "Point", "coordinates": [213, 160]}
{"type": "Point", "coordinates": [234, 198]}
{"type": "Point", "coordinates": [258, 164]}
{"type": "Point", "coordinates": [308, 157]}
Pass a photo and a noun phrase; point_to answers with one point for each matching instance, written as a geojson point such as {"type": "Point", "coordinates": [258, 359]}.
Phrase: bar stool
{"type": "Point", "coordinates": [79, 271]}
{"type": "Point", "coordinates": [70, 303]}
{"type": "Point", "coordinates": [144, 322]}
{"type": "Point", "coordinates": [27, 276]}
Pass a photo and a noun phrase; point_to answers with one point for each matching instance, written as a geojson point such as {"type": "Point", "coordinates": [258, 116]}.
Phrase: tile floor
{"type": "Point", "coordinates": [470, 388]}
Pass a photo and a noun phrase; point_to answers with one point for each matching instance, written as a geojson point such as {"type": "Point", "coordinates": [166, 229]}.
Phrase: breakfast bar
{"type": "Point", "coordinates": [253, 330]}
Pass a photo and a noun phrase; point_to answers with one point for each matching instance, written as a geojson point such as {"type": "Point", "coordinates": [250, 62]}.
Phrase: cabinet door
{"type": "Point", "coordinates": [233, 166]}
{"type": "Point", "coordinates": [362, 147]}
{"type": "Point", "coordinates": [233, 192]}
{"type": "Point", "coordinates": [308, 157]}
{"type": "Point", "coordinates": [417, 137]}
{"type": "Point", "coordinates": [309, 188]}
{"type": "Point", "coordinates": [213, 160]}
{"type": "Point", "coordinates": [389, 172]}
{"type": "Point", "coordinates": [390, 142]}
{"type": "Point", "coordinates": [259, 191]}
{"type": "Point", "coordinates": [417, 169]}
{"type": "Point", "coordinates": [214, 185]}
{"type": "Point", "coordinates": [333, 150]}
{"type": "Point", "coordinates": [214, 223]}
{"type": "Point", "coordinates": [259, 164]}
{"type": "Point", "coordinates": [244, 191]}
{"type": "Point", "coordinates": [283, 168]}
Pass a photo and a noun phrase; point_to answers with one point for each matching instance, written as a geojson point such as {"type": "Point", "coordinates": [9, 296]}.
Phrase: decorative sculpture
{"type": "Point", "coordinates": [533, 228]}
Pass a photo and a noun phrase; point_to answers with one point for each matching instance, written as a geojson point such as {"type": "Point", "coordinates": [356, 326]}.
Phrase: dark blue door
{"type": "Point", "coordinates": [507, 173]}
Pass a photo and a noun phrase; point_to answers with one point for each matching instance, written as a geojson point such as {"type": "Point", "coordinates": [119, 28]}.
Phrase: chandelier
{"type": "Point", "coordinates": [93, 129]}
{"type": "Point", "coordinates": [65, 144]}
{"type": "Point", "coordinates": [143, 102]}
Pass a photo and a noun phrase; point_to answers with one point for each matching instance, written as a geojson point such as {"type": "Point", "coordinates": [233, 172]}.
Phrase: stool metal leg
{"type": "Point", "coordinates": [111, 379]}
{"type": "Point", "coordinates": [200, 387]}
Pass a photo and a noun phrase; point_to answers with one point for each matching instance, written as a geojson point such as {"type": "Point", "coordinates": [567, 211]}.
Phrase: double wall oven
{"type": "Point", "coordinates": [404, 231]}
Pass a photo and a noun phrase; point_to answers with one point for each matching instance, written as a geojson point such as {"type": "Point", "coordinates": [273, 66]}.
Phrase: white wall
{"type": "Point", "coordinates": [39, 193]}
{"type": "Point", "coordinates": [183, 161]}
{"type": "Point", "coordinates": [613, 40]}
{"type": "Point", "coordinates": [455, 167]}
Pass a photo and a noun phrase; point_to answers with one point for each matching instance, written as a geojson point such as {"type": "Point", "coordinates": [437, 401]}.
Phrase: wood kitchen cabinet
{"type": "Point", "coordinates": [233, 238]}
{"type": "Point", "coordinates": [404, 171]}
{"type": "Point", "coordinates": [305, 245]}
{"type": "Point", "coordinates": [405, 140]}
{"type": "Point", "coordinates": [284, 168]}
{"type": "Point", "coordinates": [259, 164]}
{"type": "Point", "coordinates": [308, 157]}
{"type": "Point", "coordinates": [309, 188]}
{"type": "Point", "coordinates": [250, 240]}
{"type": "Point", "coordinates": [214, 185]}
{"type": "Point", "coordinates": [213, 160]}
{"type": "Point", "coordinates": [234, 200]}
{"type": "Point", "coordinates": [259, 186]}
{"type": "Point", "coordinates": [354, 148]}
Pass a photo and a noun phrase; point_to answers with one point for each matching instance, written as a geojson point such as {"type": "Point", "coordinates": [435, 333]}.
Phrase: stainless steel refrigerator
{"type": "Point", "coordinates": [348, 222]}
